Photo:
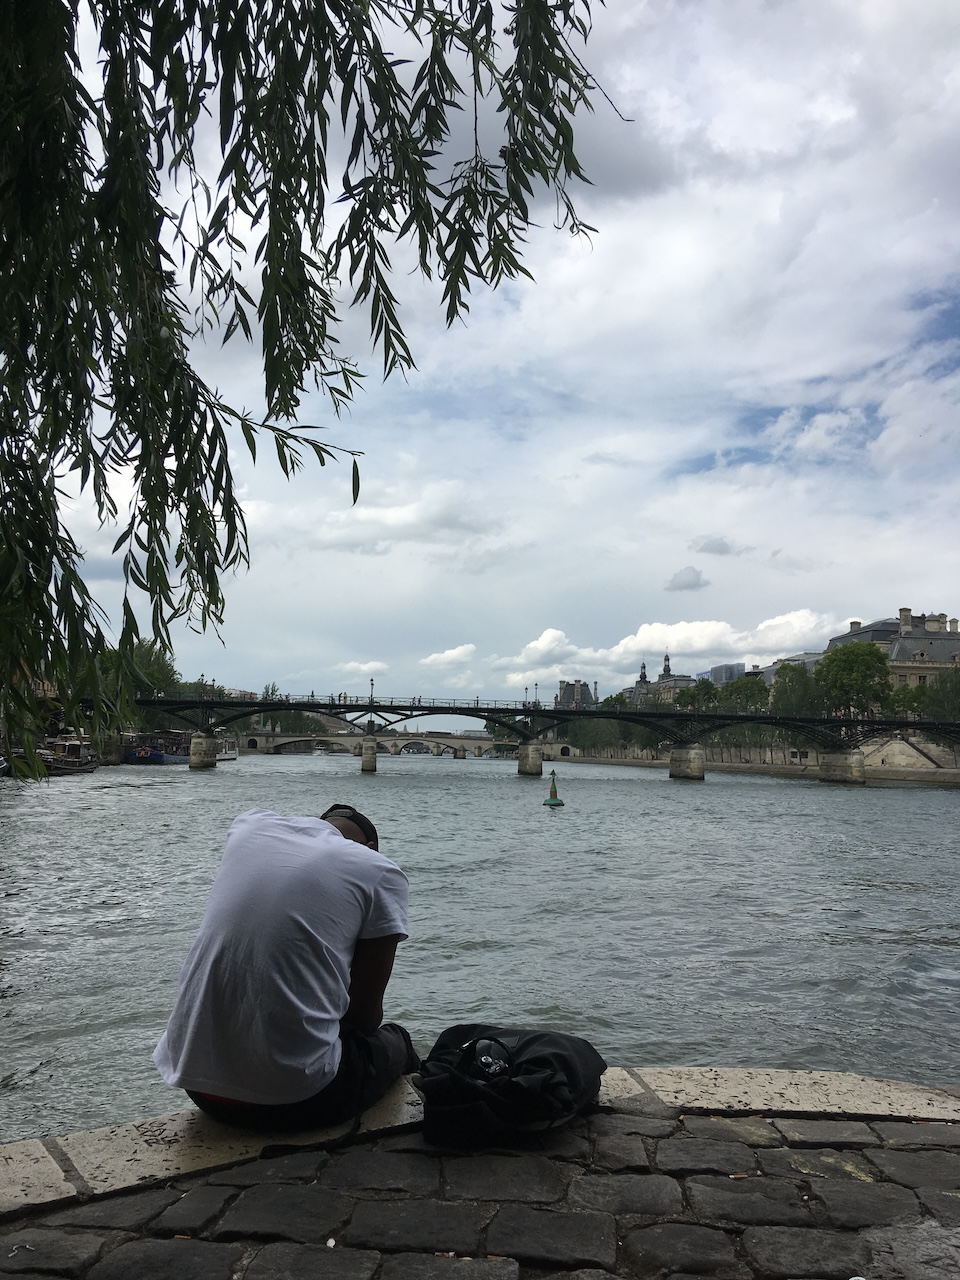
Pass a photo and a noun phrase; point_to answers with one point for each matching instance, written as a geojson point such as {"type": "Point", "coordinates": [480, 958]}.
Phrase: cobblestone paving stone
{"type": "Point", "coordinates": [304, 1214]}
{"type": "Point", "coordinates": [621, 1151]}
{"type": "Point", "coordinates": [828, 1133]}
{"type": "Point", "coordinates": [919, 1168]}
{"type": "Point", "coordinates": [653, 1195]}
{"type": "Point", "coordinates": [628, 1193]}
{"type": "Point", "coordinates": [701, 1155]}
{"type": "Point", "coordinates": [825, 1163]}
{"type": "Point", "coordinates": [519, 1178]}
{"type": "Point", "coordinates": [944, 1205]}
{"type": "Point", "coordinates": [750, 1130]}
{"type": "Point", "coordinates": [302, 1167]}
{"type": "Point", "coordinates": [912, 1136]}
{"type": "Point", "coordinates": [795, 1251]}
{"type": "Point", "coordinates": [859, 1204]}
{"type": "Point", "coordinates": [544, 1237]}
{"type": "Point", "coordinates": [365, 1170]}
{"type": "Point", "coordinates": [280, 1261]}
{"type": "Point", "coordinates": [758, 1201]}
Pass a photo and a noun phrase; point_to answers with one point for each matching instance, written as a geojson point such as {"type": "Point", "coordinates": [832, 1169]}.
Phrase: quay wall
{"type": "Point", "coordinates": [887, 760]}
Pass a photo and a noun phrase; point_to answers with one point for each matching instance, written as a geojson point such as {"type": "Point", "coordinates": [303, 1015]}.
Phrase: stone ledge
{"type": "Point", "coordinates": [119, 1157]}
{"type": "Point", "coordinates": [810, 1093]}
{"type": "Point", "coordinates": [124, 1156]}
{"type": "Point", "coordinates": [29, 1175]}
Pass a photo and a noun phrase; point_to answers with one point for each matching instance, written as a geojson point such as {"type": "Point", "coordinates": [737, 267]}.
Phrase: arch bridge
{"type": "Point", "coordinates": [267, 742]}
{"type": "Point", "coordinates": [840, 737]}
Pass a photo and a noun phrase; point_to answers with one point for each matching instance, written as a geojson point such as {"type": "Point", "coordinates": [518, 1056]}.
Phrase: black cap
{"type": "Point", "coordinates": [358, 819]}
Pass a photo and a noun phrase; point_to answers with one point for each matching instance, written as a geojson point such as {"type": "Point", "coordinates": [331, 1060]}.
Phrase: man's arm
{"type": "Point", "coordinates": [370, 972]}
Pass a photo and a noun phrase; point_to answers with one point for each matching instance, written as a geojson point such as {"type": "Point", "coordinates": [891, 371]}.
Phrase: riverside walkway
{"type": "Point", "coordinates": [683, 1173]}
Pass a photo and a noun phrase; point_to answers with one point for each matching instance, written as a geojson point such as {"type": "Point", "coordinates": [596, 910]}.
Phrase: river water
{"type": "Point", "coordinates": [743, 921]}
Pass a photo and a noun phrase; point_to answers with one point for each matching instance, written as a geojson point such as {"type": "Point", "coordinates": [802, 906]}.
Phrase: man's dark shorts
{"type": "Point", "coordinates": [368, 1067]}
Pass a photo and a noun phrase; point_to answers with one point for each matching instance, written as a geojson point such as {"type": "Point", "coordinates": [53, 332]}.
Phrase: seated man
{"type": "Point", "coordinates": [277, 1022]}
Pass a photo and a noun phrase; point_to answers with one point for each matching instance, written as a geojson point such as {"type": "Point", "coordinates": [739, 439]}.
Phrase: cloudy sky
{"type": "Point", "coordinates": [724, 426]}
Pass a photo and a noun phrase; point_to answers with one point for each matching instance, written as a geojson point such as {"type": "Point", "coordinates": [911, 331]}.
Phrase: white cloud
{"type": "Point", "coordinates": [450, 657]}
{"type": "Point", "coordinates": [460, 680]}
{"type": "Point", "coordinates": [553, 656]}
{"type": "Point", "coordinates": [361, 668]}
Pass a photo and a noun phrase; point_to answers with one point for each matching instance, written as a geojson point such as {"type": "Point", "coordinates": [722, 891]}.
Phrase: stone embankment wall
{"type": "Point", "coordinates": [893, 759]}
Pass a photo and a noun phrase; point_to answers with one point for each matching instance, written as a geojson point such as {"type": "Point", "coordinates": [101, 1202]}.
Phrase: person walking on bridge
{"type": "Point", "coordinates": [278, 1020]}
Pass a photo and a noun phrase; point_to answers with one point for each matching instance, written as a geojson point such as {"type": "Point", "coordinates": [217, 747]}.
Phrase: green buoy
{"type": "Point", "coordinates": [553, 802]}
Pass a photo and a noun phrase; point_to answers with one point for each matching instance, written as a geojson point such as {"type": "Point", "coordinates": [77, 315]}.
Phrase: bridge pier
{"type": "Point", "coordinates": [843, 766]}
{"type": "Point", "coordinates": [368, 755]}
{"type": "Point", "coordinates": [530, 760]}
{"type": "Point", "coordinates": [459, 753]}
{"type": "Point", "coordinates": [687, 762]}
{"type": "Point", "coordinates": [203, 751]}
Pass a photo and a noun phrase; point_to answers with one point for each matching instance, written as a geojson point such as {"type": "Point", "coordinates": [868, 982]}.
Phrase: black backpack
{"type": "Point", "coordinates": [480, 1083]}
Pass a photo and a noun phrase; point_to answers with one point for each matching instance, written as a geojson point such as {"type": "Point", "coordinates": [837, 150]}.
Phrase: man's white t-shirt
{"type": "Point", "coordinates": [263, 988]}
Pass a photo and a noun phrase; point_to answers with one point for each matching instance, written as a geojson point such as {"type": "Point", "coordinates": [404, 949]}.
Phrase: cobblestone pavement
{"type": "Point", "coordinates": [636, 1195]}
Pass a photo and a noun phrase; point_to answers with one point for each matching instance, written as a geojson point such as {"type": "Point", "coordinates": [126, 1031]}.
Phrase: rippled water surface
{"type": "Point", "coordinates": [743, 921]}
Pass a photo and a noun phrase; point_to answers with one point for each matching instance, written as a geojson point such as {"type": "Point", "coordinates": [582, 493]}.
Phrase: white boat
{"type": "Point", "coordinates": [226, 749]}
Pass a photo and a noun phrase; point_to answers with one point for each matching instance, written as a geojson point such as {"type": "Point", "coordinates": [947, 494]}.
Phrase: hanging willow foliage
{"type": "Point", "coordinates": [122, 240]}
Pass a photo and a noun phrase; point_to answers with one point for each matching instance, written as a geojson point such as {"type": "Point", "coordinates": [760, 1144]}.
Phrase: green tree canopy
{"type": "Point", "coordinates": [795, 692]}
{"type": "Point", "coordinates": [148, 671]}
{"type": "Point", "coordinates": [907, 699]}
{"type": "Point", "coordinates": [746, 693]}
{"type": "Point", "coordinates": [698, 697]}
{"type": "Point", "coordinates": [120, 249]}
{"type": "Point", "coordinates": [152, 666]}
{"type": "Point", "coordinates": [604, 728]}
{"type": "Point", "coordinates": [500, 732]}
{"type": "Point", "coordinates": [942, 700]}
{"type": "Point", "coordinates": [853, 678]}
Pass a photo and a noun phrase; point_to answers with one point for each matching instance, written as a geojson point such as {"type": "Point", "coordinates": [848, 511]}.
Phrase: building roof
{"type": "Point", "coordinates": [929, 646]}
{"type": "Point", "coordinates": [880, 632]}
{"type": "Point", "coordinates": [569, 694]}
{"type": "Point", "coordinates": [926, 631]}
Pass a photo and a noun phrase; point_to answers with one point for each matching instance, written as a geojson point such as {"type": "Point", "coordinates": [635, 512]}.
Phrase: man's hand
{"type": "Point", "coordinates": [370, 972]}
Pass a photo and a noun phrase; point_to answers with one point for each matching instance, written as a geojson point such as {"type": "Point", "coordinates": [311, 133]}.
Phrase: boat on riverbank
{"type": "Point", "coordinates": [68, 760]}
{"type": "Point", "coordinates": [69, 753]}
{"type": "Point", "coordinates": [172, 746]}
{"type": "Point", "coordinates": [169, 746]}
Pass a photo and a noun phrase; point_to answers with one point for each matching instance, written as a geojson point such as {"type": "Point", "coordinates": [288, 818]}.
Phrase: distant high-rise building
{"type": "Point", "coordinates": [727, 673]}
